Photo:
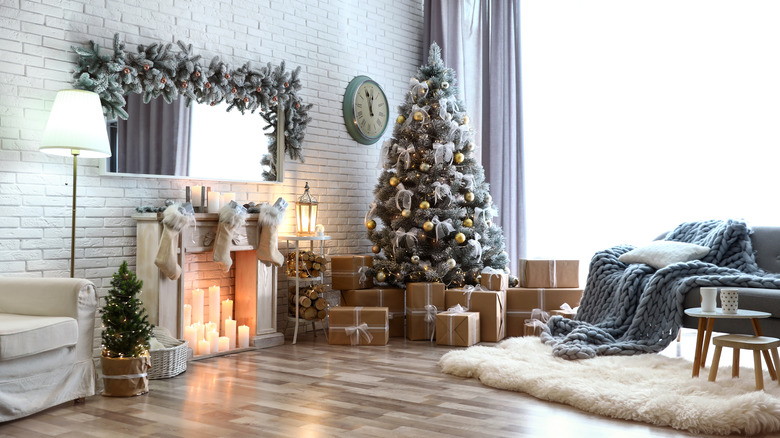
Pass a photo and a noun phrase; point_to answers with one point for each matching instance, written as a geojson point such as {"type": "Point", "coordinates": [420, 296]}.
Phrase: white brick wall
{"type": "Point", "coordinates": [333, 41]}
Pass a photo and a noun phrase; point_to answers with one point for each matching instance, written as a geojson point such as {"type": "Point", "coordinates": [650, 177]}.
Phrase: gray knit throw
{"type": "Point", "coordinates": [633, 309]}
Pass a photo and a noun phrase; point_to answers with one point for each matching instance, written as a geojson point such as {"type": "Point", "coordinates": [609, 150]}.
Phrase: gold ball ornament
{"type": "Point", "coordinates": [375, 249]}
{"type": "Point", "coordinates": [418, 116]}
{"type": "Point", "coordinates": [406, 213]}
{"type": "Point", "coordinates": [425, 167]}
{"type": "Point", "coordinates": [381, 276]}
{"type": "Point", "coordinates": [459, 157]}
{"type": "Point", "coordinates": [451, 263]}
{"type": "Point", "coordinates": [470, 146]}
{"type": "Point", "coordinates": [425, 204]}
{"type": "Point", "coordinates": [468, 223]}
{"type": "Point", "coordinates": [371, 224]}
{"type": "Point", "coordinates": [415, 259]}
{"type": "Point", "coordinates": [394, 181]}
{"type": "Point", "coordinates": [465, 120]}
{"type": "Point", "coordinates": [469, 196]}
{"type": "Point", "coordinates": [400, 119]}
{"type": "Point", "coordinates": [460, 237]}
{"type": "Point", "coordinates": [428, 226]}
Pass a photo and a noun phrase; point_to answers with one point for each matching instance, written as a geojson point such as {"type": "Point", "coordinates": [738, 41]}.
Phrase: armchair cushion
{"type": "Point", "coordinates": [25, 335]}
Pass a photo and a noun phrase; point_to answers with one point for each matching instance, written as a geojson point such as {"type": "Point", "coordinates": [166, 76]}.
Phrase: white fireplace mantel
{"type": "Point", "coordinates": [255, 291]}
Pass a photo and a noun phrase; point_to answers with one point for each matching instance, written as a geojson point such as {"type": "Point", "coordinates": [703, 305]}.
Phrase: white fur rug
{"type": "Point", "coordinates": [650, 388]}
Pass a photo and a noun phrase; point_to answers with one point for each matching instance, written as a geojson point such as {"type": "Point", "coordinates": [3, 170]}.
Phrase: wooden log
{"type": "Point", "coordinates": [312, 294]}
{"type": "Point", "coordinates": [304, 301]}
{"type": "Point", "coordinates": [309, 313]}
{"type": "Point", "coordinates": [322, 314]}
{"type": "Point", "coordinates": [320, 304]}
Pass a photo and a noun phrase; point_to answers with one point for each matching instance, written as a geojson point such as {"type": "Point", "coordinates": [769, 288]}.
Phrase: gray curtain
{"type": "Point", "coordinates": [155, 138]}
{"type": "Point", "coordinates": [480, 39]}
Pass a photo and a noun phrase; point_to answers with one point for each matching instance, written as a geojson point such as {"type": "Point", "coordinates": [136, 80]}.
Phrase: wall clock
{"type": "Point", "coordinates": [365, 110]}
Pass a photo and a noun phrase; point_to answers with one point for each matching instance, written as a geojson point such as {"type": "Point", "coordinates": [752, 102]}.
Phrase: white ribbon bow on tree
{"type": "Point", "coordinates": [355, 332]}
{"type": "Point", "coordinates": [419, 89]}
{"type": "Point", "coordinates": [443, 228]}
{"type": "Point", "coordinates": [487, 214]}
{"type": "Point", "coordinates": [441, 191]}
{"type": "Point", "coordinates": [403, 198]}
{"type": "Point", "coordinates": [415, 109]}
{"type": "Point", "coordinates": [405, 155]}
{"type": "Point", "coordinates": [443, 152]}
{"type": "Point", "coordinates": [409, 238]}
{"type": "Point", "coordinates": [384, 156]}
{"type": "Point", "coordinates": [476, 247]}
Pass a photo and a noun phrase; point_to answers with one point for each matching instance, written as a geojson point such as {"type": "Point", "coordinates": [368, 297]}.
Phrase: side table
{"type": "Point", "coordinates": [297, 240]}
{"type": "Point", "coordinates": [706, 322]}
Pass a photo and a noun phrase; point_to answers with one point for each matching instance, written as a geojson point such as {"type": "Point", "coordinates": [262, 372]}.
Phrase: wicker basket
{"type": "Point", "coordinates": [171, 360]}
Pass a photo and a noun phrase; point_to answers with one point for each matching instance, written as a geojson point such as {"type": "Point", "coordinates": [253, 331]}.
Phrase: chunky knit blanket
{"type": "Point", "coordinates": [633, 309]}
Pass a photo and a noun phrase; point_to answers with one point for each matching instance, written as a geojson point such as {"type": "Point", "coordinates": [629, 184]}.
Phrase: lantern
{"type": "Point", "coordinates": [306, 213]}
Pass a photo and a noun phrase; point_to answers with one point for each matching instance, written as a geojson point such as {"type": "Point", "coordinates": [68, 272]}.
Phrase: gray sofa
{"type": "Point", "coordinates": [766, 244]}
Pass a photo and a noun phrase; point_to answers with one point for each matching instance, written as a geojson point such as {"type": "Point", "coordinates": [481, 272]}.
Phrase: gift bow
{"type": "Point", "coordinates": [441, 191]}
{"type": "Point", "coordinates": [362, 271]}
{"type": "Point", "coordinates": [484, 213]}
{"type": "Point", "coordinates": [443, 152]}
{"type": "Point", "coordinates": [457, 309]}
{"type": "Point", "coordinates": [405, 198]}
{"type": "Point", "coordinates": [539, 319]}
{"type": "Point", "coordinates": [405, 155]}
{"type": "Point", "coordinates": [443, 228]}
{"type": "Point", "coordinates": [415, 109]}
{"type": "Point", "coordinates": [418, 88]}
{"type": "Point", "coordinates": [430, 319]}
{"type": "Point", "coordinates": [476, 247]}
{"type": "Point", "coordinates": [409, 236]}
{"type": "Point", "coordinates": [356, 331]}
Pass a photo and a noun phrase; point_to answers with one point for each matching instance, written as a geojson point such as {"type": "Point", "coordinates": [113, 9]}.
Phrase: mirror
{"type": "Point", "coordinates": [158, 71]}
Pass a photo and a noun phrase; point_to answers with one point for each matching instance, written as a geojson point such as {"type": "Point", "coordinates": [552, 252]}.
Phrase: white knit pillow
{"type": "Point", "coordinates": [662, 253]}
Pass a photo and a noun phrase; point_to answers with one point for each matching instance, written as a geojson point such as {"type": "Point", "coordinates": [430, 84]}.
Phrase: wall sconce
{"type": "Point", "coordinates": [306, 213]}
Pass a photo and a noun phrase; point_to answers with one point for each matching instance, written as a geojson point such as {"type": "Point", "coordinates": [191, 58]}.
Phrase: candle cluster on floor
{"type": "Point", "coordinates": [204, 337]}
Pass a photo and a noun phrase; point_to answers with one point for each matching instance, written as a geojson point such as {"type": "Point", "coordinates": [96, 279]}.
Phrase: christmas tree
{"type": "Point", "coordinates": [432, 217]}
{"type": "Point", "coordinates": [126, 328]}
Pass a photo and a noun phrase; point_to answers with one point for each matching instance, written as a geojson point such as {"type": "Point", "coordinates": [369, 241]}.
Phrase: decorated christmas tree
{"type": "Point", "coordinates": [126, 328]}
{"type": "Point", "coordinates": [432, 218]}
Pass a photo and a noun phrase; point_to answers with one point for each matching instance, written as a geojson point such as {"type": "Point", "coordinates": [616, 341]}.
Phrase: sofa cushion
{"type": "Point", "coordinates": [25, 335]}
{"type": "Point", "coordinates": [662, 253]}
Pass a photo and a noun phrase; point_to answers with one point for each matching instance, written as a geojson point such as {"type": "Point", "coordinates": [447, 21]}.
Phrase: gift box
{"type": "Point", "coordinates": [348, 272]}
{"type": "Point", "coordinates": [494, 280]}
{"type": "Point", "coordinates": [491, 306]}
{"type": "Point", "coordinates": [531, 329]}
{"type": "Point", "coordinates": [423, 302]}
{"type": "Point", "coordinates": [457, 328]}
{"type": "Point", "coordinates": [549, 273]}
{"type": "Point", "coordinates": [565, 311]}
{"type": "Point", "coordinates": [358, 326]}
{"type": "Point", "coordinates": [520, 301]}
{"type": "Point", "coordinates": [392, 298]}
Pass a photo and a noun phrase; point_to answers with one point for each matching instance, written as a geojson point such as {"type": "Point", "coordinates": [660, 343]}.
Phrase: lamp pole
{"type": "Point", "coordinates": [75, 153]}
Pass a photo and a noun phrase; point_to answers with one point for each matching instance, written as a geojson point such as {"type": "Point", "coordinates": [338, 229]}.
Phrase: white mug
{"type": "Point", "coordinates": [708, 301]}
{"type": "Point", "coordinates": [729, 300]}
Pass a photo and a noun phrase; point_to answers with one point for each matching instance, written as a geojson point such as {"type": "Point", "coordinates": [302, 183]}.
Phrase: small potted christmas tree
{"type": "Point", "coordinates": [126, 333]}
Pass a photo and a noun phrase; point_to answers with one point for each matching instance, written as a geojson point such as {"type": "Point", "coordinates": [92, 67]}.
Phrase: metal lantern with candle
{"type": "Point", "coordinates": [306, 213]}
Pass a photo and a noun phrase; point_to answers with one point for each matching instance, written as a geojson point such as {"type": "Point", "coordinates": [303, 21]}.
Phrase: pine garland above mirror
{"type": "Point", "coordinates": [158, 71]}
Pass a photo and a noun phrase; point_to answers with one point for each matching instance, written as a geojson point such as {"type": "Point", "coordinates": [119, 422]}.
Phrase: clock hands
{"type": "Point", "coordinates": [370, 99]}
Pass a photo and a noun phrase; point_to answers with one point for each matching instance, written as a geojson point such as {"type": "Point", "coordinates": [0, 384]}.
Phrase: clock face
{"type": "Point", "coordinates": [366, 112]}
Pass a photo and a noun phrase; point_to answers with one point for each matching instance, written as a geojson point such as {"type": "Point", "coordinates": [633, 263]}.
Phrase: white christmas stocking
{"type": "Point", "coordinates": [231, 217]}
{"type": "Point", "coordinates": [175, 217]}
{"type": "Point", "coordinates": [271, 216]}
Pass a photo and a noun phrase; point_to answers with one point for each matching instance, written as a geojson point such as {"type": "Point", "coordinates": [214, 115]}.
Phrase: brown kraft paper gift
{"type": "Point", "coordinates": [521, 300]}
{"type": "Point", "coordinates": [423, 302]}
{"type": "Point", "coordinates": [491, 306]}
{"type": "Point", "coordinates": [358, 326]}
{"type": "Point", "coordinates": [494, 280]}
{"type": "Point", "coordinates": [392, 298]}
{"type": "Point", "coordinates": [347, 272]}
{"type": "Point", "coordinates": [549, 273]}
{"type": "Point", "coordinates": [459, 329]}
{"type": "Point", "coordinates": [125, 376]}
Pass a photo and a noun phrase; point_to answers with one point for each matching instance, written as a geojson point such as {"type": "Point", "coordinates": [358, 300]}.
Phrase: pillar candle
{"type": "Point", "coordinates": [227, 312]}
{"type": "Point", "coordinates": [199, 331]}
{"type": "Point", "coordinates": [213, 338]}
{"type": "Point", "coordinates": [197, 305]}
{"type": "Point", "coordinates": [230, 331]}
{"type": "Point", "coordinates": [226, 198]}
{"type": "Point", "coordinates": [224, 343]}
{"type": "Point", "coordinates": [189, 336]}
{"type": "Point", "coordinates": [214, 305]}
{"type": "Point", "coordinates": [213, 205]}
{"type": "Point", "coordinates": [196, 194]}
{"type": "Point", "coordinates": [243, 336]}
{"type": "Point", "coordinates": [204, 347]}
{"type": "Point", "coordinates": [210, 327]}
{"type": "Point", "coordinates": [186, 318]}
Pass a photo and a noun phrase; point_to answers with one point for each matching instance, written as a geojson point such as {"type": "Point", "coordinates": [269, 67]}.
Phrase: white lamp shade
{"type": "Point", "coordinates": [76, 126]}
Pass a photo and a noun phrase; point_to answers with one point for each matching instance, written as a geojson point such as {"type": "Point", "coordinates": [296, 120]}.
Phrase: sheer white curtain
{"type": "Point", "coordinates": [640, 115]}
{"type": "Point", "coordinates": [480, 40]}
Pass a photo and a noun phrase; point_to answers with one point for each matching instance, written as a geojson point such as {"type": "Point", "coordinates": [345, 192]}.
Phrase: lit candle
{"type": "Point", "coordinates": [213, 338]}
{"type": "Point", "coordinates": [227, 312]}
{"type": "Point", "coordinates": [197, 305]}
{"type": "Point", "coordinates": [196, 195]}
{"type": "Point", "coordinates": [224, 343]}
{"type": "Point", "coordinates": [186, 319]}
{"type": "Point", "coordinates": [243, 336]}
{"type": "Point", "coordinates": [214, 304]}
{"type": "Point", "coordinates": [226, 198]}
{"type": "Point", "coordinates": [230, 331]}
{"type": "Point", "coordinates": [199, 330]}
{"type": "Point", "coordinates": [213, 206]}
{"type": "Point", "coordinates": [190, 337]}
{"type": "Point", "coordinates": [204, 347]}
{"type": "Point", "coordinates": [210, 327]}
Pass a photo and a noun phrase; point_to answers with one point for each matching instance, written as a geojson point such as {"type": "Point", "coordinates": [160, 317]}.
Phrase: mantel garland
{"type": "Point", "coordinates": [158, 71]}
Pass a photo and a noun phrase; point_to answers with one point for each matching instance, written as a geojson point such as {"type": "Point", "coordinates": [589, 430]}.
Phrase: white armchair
{"type": "Point", "coordinates": [46, 343]}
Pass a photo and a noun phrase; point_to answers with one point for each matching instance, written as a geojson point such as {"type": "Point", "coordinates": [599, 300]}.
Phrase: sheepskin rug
{"type": "Point", "coordinates": [650, 388]}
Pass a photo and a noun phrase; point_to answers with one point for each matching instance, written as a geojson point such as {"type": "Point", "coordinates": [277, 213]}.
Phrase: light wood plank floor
{"type": "Point", "coordinates": [315, 390]}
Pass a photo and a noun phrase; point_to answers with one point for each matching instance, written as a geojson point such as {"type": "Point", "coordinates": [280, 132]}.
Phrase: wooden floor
{"type": "Point", "coordinates": [315, 390]}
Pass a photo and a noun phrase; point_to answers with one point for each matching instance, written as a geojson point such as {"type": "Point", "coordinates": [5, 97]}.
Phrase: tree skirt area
{"type": "Point", "coordinates": [650, 388]}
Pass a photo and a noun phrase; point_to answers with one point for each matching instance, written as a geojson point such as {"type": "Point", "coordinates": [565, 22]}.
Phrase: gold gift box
{"type": "Point", "coordinates": [491, 306]}
{"type": "Point", "coordinates": [459, 329]}
{"type": "Point", "coordinates": [346, 327]}
{"type": "Point", "coordinates": [345, 272]}
{"type": "Point", "coordinates": [418, 296]}
{"type": "Point", "coordinates": [392, 298]}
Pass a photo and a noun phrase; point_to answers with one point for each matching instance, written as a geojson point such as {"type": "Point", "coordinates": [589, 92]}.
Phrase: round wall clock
{"type": "Point", "coordinates": [365, 110]}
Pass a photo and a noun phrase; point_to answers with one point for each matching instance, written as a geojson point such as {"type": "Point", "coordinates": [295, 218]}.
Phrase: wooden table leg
{"type": "Point", "coordinates": [699, 341]}
{"type": "Point", "coordinates": [767, 357]}
{"type": "Point", "coordinates": [706, 345]}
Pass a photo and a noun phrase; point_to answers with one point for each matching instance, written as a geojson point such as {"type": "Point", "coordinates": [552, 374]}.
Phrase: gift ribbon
{"type": "Point", "coordinates": [443, 228]}
{"type": "Point", "coordinates": [443, 152]}
{"type": "Point", "coordinates": [356, 332]}
{"type": "Point", "coordinates": [405, 155]}
{"type": "Point", "coordinates": [476, 247]}
{"type": "Point", "coordinates": [430, 316]}
{"type": "Point", "coordinates": [538, 319]}
{"type": "Point", "coordinates": [410, 237]}
{"type": "Point", "coordinates": [405, 198]}
{"type": "Point", "coordinates": [363, 278]}
{"type": "Point", "coordinates": [456, 309]}
{"type": "Point", "coordinates": [415, 109]}
{"type": "Point", "coordinates": [441, 191]}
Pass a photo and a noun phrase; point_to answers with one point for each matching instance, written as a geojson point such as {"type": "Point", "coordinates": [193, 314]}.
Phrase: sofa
{"type": "Point", "coordinates": [46, 343]}
{"type": "Point", "coordinates": [766, 244]}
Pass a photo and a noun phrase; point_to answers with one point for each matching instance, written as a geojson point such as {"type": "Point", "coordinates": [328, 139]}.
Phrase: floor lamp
{"type": "Point", "coordinates": [76, 127]}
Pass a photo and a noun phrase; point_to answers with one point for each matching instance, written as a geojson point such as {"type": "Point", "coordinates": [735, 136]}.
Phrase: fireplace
{"type": "Point", "coordinates": [250, 285]}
